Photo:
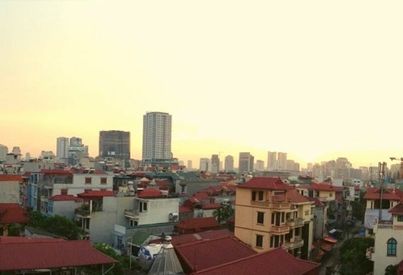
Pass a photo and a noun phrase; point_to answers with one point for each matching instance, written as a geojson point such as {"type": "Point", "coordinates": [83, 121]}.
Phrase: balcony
{"type": "Point", "coordinates": [83, 210]}
{"type": "Point", "coordinates": [295, 222]}
{"type": "Point", "coordinates": [272, 204]}
{"type": "Point", "coordinates": [132, 214]}
{"type": "Point", "coordinates": [297, 242]}
{"type": "Point", "coordinates": [279, 229]}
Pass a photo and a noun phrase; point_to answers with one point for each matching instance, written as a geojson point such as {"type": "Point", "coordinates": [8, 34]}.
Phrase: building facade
{"type": "Point", "coordinates": [246, 161]}
{"type": "Point", "coordinates": [157, 128]}
{"type": "Point", "coordinates": [229, 163]}
{"type": "Point", "coordinates": [215, 164]}
{"type": "Point", "coordinates": [115, 144]}
{"type": "Point", "coordinates": [62, 149]}
{"type": "Point", "coordinates": [271, 161]}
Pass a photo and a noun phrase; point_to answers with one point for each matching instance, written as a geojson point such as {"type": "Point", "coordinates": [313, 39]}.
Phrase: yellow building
{"type": "Point", "coordinates": [270, 213]}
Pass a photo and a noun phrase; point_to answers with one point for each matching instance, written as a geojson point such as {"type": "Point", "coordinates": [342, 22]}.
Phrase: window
{"type": "Point", "coordinates": [253, 195]}
{"type": "Point", "coordinates": [260, 217]}
{"type": "Point", "coordinates": [103, 180]}
{"type": "Point", "coordinates": [145, 206]}
{"type": "Point", "coordinates": [271, 241]}
{"type": "Point", "coordinates": [391, 247]}
{"type": "Point", "coordinates": [273, 216]}
{"type": "Point", "coordinates": [259, 241]}
{"type": "Point", "coordinates": [307, 212]}
{"type": "Point", "coordinates": [260, 195]}
{"type": "Point", "coordinates": [87, 180]}
{"type": "Point", "coordinates": [133, 223]}
{"type": "Point", "coordinates": [400, 218]}
{"type": "Point", "coordinates": [331, 194]}
{"type": "Point", "coordinates": [63, 191]}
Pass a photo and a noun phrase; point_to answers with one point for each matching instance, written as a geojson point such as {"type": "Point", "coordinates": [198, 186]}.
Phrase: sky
{"type": "Point", "coordinates": [316, 79]}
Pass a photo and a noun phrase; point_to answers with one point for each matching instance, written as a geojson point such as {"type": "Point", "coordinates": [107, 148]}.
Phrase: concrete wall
{"type": "Point", "coordinates": [158, 210]}
{"type": "Point", "coordinates": [78, 185]}
{"type": "Point", "coordinates": [382, 235]}
{"type": "Point", "coordinates": [102, 222]}
{"type": "Point", "coordinates": [65, 208]}
{"type": "Point", "coordinates": [9, 192]}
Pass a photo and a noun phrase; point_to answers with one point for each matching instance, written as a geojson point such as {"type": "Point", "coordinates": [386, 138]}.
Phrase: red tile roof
{"type": "Point", "coordinates": [204, 254]}
{"type": "Point", "coordinates": [48, 254]}
{"type": "Point", "coordinates": [198, 223]}
{"type": "Point", "coordinates": [267, 183]}
{"type": "Point", "coordinates": [12, 213]}
{"type": "Point", "coordinates": [294, 196]}
{"type": "Point", "coordinates": [65, 198]}
{"type": "Point", "coordinates": [10, 178]}
{"type": "Point", "coordinates": [375, 194]}
{"type": "Point", "coordinates": [185, 209]}
{"type": "Point", "coordinates": [150, 193]}
{"type": "Point", "coordinates": [205, 235]}
{"type": "Point", "coordinates": [274, 262]}
{"type": "Point", "coordinates": [322, 187]}
{"type": "Point", "coordinates": [94, 194]}
{"type": "Point", "coordinates": [56, 172]}
{"type": "Point", "coordinates": [209, 206]}
{"type": "Point", "coordinates": [397, 210]}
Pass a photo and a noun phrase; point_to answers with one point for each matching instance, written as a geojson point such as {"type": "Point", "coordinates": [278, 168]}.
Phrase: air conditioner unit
{"type": "Point", "coordinates": [173, 217]}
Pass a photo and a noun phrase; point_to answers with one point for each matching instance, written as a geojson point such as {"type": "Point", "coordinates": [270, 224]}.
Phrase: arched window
{"type": "Point", "coordinates": [391, 247]}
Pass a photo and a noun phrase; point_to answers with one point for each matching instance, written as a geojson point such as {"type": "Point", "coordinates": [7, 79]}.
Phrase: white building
{"type": "Point", "coordinates": [157, 136]}
{"type": "Point", "coordinates": [388, 249]}
{"type": "Point", "coordinates": [10, 188]}
{"type": "Point", "coordinates": [62, 148]}
{"type": "Point", "coordinates": [259, 166]}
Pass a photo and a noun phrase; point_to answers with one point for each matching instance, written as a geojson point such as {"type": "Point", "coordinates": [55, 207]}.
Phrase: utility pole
{"type": "Point", "coordinates": [381, 173]}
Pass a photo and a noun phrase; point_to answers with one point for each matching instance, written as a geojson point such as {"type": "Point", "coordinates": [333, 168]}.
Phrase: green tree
{"type": "Point", "coordinates": [223, 213]}
{"type": "Point", "coordinates": [56, 225]}
{"type": "Point", "coordinates": [353, 256]}
{"type": "Point", "coordinates": [391, 270]}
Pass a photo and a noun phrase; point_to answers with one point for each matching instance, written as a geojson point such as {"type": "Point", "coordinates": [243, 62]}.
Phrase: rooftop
{"type": "Point", "coordinates": [12, 213]}
{"type": "Point", "coordinates": [274, 262]}
{"type": "Point", "coordinates": [10, 178]}
{"type": "Point", "coordinates": [268, 183]}
{"type": "Point", "coordinates": [198, 223]}
{"type": "Point", "coordinates": [47, 254]}
{"type": "Point", "coordinates": [208, 253]}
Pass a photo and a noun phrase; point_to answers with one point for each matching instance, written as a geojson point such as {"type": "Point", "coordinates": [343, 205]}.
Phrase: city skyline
{"type": "Point", "coordinates": [259, 78]}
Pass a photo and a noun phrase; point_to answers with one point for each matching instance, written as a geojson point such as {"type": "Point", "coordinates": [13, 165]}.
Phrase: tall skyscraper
{"type": "Point", "coordinates": [114, 144]}
{"type": "Point", "coordinates": [62, 149]}
{"type": "Point", "coordinates": [157, 136]}
{"type": "Point", "coordinates": [272, 161]}
{"type": "Point", "coordinates": [246, 161]}
{"type": "Point", "coordinates": [189, 165]}
{"type": "Point", "coordinates": [204, 164]}
{"type": "Point", "coordinates": [282, 161]}
{"type": "Point", "coordinates": [215, 163]}
{"type": "Point", "coordinates": [229, 163]}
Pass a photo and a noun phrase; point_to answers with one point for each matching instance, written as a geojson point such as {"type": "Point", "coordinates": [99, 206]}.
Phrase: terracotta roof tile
{"type": "Point", "coordinates": [12, 213]}
{"type": "Point", "coordinates": [267, 183]}
{"type": "Point", "coordinates": [10, 178]}
{"type": "Point", "coordinates": [48, 254]}
{"type": "Point", "coordinates": [274, 262]}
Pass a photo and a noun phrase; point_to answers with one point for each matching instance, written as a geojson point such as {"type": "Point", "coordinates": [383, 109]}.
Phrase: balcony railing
{"type": "Point", "coordinates": [297, 242]}
{"type": "Point", "coordinates": [279, 229]}
{"type": "Point", "coordinates": [132, 214]}
{"type": "Point", "coordinates": [272, 204]}
{"type": "Point", "coordinates": [83, 210]}
{"type": "Point", "coordinates": [295, 222]}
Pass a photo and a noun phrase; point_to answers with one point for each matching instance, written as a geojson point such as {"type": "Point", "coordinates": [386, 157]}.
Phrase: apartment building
{"type": "Point", "coordinates": [271, 214]}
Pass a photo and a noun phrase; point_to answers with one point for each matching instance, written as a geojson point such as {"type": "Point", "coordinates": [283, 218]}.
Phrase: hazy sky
{"type": "Point", "coordinates": [317, 79]}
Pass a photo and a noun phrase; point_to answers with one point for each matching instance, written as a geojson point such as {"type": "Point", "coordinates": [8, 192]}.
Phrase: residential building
{"type": "Point", "coordinates": [259, 166]}
{"type": "Point", "coordinates": [388, 249]}
{"type": "Point", "coordinates": [47, 156]}
{"type": "Point", "coordinates": [3, 152]}
{"type": "Point", "coordinates": [77, 151]}
{"type": "Point", "coordinates": [229, 163]}
{"type": "Point", "coordinates": [157, 130]}
{"type": "Point", "coordinates": [189, 165]}
{"type": "Point", "coordinates": [114, 144]}
{"type": "Point", "coordinates": [374, 210]}
{"type": "Point", "coordinates": [271, 161]}
{"type": "Point", "coordinates": [282, 161]}
{"type": "Point", "coordinates": [62, 149]}
{"type": "Point", "coordinates": [204, 164]}
{"type": "Point", "coordinates": [53, 255]}
{"type": "Point", "coordinates": [246, 161]}
{"type": "Point", "coordinates": [11, 213]}
{"type": "Point", "coordinates": [10, 188]}
{"type": "Point", "coordinates": [271, 214]}
{"type": "Point", "coordinates": [215, 163]}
